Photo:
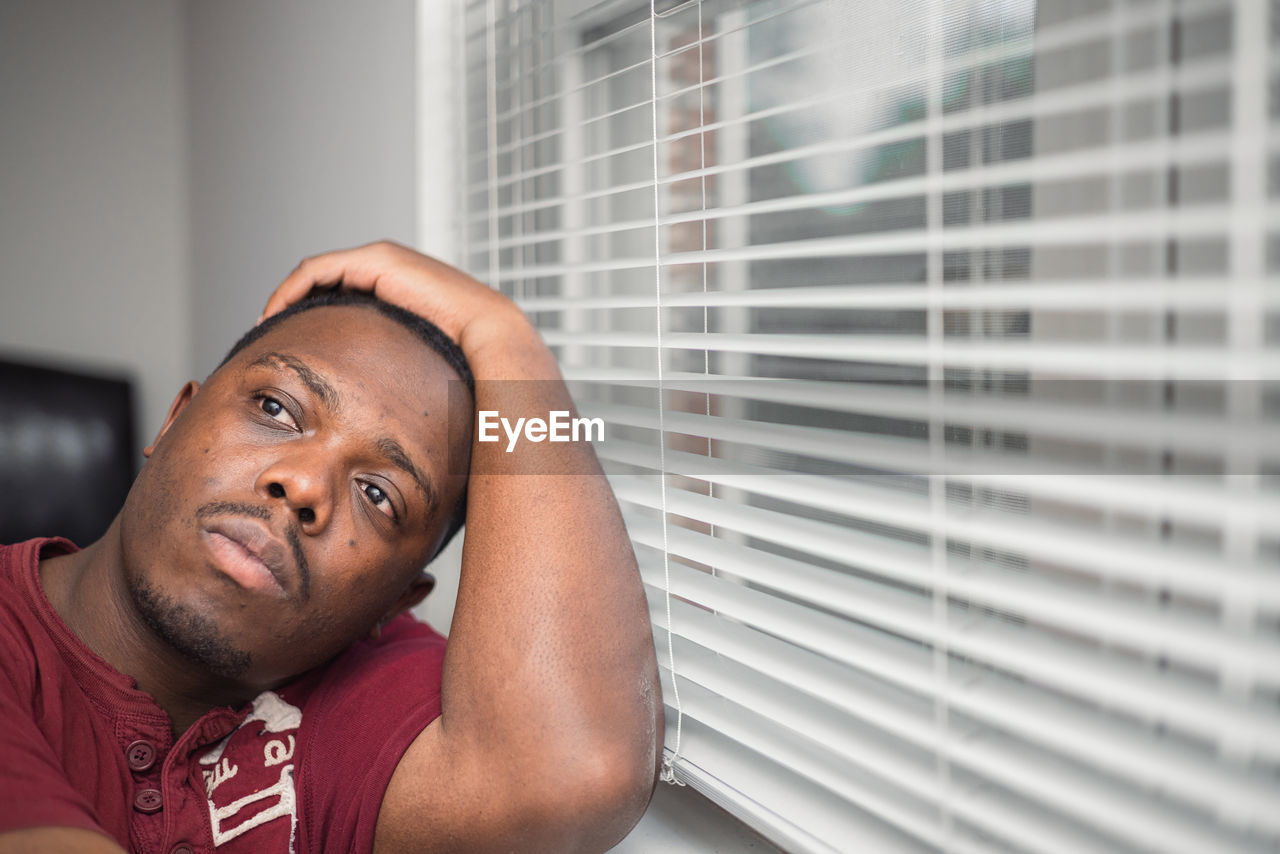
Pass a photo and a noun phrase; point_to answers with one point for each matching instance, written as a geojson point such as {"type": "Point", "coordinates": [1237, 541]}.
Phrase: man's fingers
{"type": "Point", "coordinates": [320, 270]}
{"type": "Point", "coordinates": [332, 268]}
{"type": "Point", "coordinates": [397, 274]}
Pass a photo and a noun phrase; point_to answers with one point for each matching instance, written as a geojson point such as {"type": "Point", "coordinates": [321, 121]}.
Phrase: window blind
{"type": "Point", "coordinates": [938, 348]}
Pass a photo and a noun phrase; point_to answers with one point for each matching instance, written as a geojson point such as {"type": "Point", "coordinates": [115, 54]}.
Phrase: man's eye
{"type": "Point", "coordinates": [275, 410]}
{"type": "Point", "coordinates": [379, 498]}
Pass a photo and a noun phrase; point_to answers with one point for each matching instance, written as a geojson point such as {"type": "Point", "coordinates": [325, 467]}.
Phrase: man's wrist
{"type": "Point", "coordinates": [503, 344]}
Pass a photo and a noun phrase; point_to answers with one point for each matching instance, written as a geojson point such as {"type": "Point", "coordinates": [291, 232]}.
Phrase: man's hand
{"type": "Point", "coordinates": [445, 295]}
{"type": "Point", "coordinates": [552, 715]}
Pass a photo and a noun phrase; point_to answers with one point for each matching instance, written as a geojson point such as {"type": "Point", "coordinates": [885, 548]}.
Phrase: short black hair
{"type": "Point", "coordinates": [428, 332]}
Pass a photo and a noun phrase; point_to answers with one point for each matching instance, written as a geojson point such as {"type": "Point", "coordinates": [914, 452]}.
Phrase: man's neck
{"type": "Point", "coordinates": [90, 592]}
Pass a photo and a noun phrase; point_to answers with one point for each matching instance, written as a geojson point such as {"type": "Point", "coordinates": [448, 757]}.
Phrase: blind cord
{"type": "Point", "coordinates": [491, 115]}
{"type": "Point", "coordinates": [668, 762]}
{"type": "Point", "coordinates": [702, 166]}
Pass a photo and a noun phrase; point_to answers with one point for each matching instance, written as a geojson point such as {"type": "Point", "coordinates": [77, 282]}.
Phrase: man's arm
{"type": "Point", "coordinates": [552, 715]}
{"type": "Point", "coordinates": [56, 840]}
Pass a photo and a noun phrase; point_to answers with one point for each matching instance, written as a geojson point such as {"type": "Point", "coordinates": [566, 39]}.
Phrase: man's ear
{"type": "Point", "coordinates": [421, 585]}
{"type": "Point", "coordinates": [180, 402]}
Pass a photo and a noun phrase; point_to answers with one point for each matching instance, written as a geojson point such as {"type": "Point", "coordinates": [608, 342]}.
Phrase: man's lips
{"type": "Point", "coordinates": [245, 550]}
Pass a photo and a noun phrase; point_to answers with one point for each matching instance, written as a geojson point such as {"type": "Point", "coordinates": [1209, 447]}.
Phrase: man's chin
{"type": "Point", "coordinates": [191, 634]}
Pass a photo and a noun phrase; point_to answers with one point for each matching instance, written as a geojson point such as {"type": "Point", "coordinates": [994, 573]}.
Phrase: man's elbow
{"type": "Point", "coordinates": [613, 774]}
{"type": "Point", "coordinates": [600, 788]}
{"type": "Point", "coordinates": [608, 793]}
{"type": "Point", "coordinates": [600, 777]}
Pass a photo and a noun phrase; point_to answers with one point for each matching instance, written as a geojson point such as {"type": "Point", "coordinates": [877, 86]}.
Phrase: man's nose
{"type": "Point", "coordinates": [303, 483]}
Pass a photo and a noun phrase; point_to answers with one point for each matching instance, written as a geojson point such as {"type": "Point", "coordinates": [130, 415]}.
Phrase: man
{"type": "Point", "coordinates": [230, 669]}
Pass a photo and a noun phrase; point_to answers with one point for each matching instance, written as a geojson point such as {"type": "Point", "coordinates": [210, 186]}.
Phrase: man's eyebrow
{"type": "Point", "coordinates": [319, 387]}
{"type": "Point", "coordinates": [395, 454]}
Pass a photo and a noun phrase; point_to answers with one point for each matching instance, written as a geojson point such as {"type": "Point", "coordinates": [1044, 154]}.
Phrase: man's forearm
{"type": "Point", "coordinates": [550, 654]}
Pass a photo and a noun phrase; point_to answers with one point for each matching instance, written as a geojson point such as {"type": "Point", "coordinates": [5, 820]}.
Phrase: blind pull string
{"type": "Point", "coordinates": [668, 774]}
{"type": "Point", "coordinates": [702, 166]}
{"type": "Point", "coordinates": [491, 116]}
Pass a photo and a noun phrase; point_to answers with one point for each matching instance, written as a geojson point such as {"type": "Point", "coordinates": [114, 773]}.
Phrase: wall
{"type": "Point", "coordinates": [164, 164]}
{"type": "Point", "coordinates": [302, 140]}
{"type": "Point", "coordinates": [93, 183]}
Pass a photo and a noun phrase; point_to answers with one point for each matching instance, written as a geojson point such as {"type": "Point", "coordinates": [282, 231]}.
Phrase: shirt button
{"type": "Point", "coordinates": [181, 849]}
{"type": "Point", "coordinates": [148, 801]}
{"type": "Point", "coordinates": [140, 755]}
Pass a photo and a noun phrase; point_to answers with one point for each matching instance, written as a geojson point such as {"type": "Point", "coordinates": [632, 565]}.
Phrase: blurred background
{"type": "Point", "coordinates": [938, 344]}
{"type": "Point", "coordinates": [162, 165]}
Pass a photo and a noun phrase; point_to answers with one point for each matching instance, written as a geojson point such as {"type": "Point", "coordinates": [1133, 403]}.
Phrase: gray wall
{"type": "Point", "coordinates": [93, 200]}
{"type": "Point", "coordinates": [302, 140]}
{"type": "Point", "coordinates": [163, 164]}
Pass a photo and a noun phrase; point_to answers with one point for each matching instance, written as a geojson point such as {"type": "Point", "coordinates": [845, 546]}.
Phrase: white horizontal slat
{"type": "Point", "coordinates": [899, 791]}
{"type": "Point", "coordinates": [1092, 94]}
{"type": "Point", "coordinates": [912, 455]}
{"type": "Point", "coordinates": [1146, 563]}
{"type": "Point", "coordinates": [816, 821]}
{"type": "Point", "coordinates": [1196, 642]}
{"type": "Point", "coordinates": [1019, 475]}
{"type": "Point", "coordinates": [1076, 295]}
{"type": "Point", "coordinates": [1113, 162]}
{"type": "Point", "coordinates": [1113, 425]}
{"type": "Point", "coordinates": [1128, 814]}
{"type": "Point", "coordinates": [888, 453]}
{"type": "Point", "coordinates": [1068, 361]}
{"type": "Point", "coordinates": [570, 31]}
{"type": "Point", "coordinates": [1199, 73]}
{"type": "Point", "coordinates": [639, 30]}
{"type": "Point", "coordinates": [1123, 812]}
{"type": "Point", "coordinates": [611, 111]}
{"type": "Point", "coordinates": [1080, 546]}
{"type": "Point", "coordinates": [517, 146]}
{"type": "Point", "coordinates": [1206, 221]}
{"type": "Point", "coordinates": [1123, 751]}
{"type": "Point", "coordinates": [1077, 31]}
{"type": "Point", "coordinates": [866, 760]}
{"type": "Point", "coordinates": [1164, 698]}
{"type": "Point", "coordinates": [1205, 74]}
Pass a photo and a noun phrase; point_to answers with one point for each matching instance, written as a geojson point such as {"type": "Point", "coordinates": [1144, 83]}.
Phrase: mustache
{"type": "Point", "coordinates": [257, 511]}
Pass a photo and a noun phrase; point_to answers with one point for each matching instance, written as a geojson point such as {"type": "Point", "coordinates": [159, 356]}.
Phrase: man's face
{"type": "Point", "coordinates": [296, 497]}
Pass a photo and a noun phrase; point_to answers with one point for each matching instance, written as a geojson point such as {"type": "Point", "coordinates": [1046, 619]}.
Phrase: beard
{"type": "Point", "coordinates": [192, 634]}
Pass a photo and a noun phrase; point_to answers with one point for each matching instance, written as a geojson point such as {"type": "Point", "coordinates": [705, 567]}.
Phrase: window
{"type": "Point", "coordinates": [938, 347]}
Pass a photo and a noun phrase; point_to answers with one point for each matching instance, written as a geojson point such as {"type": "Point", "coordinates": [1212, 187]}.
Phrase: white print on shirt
{"type": "Point", "coordinates": [286, 806]}
{"type": "Point", "coordinates": [275, 752]}
{"type": "Point", "coordinates": [279, 800]}
{"type": "Point", "coordinates": [221, 772]}
{"type": "Point", "coordinates": [275, 714]}
{"type": "Point", "coordinates": [214, 755]}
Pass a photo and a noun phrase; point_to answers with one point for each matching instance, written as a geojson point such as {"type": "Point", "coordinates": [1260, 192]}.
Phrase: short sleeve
{"type": "Point", "coordinates": [34, 787]}
{"type": "Point", "coordinates": [370, 705]}
{"type": "Point", "coordinates": [60, 765]}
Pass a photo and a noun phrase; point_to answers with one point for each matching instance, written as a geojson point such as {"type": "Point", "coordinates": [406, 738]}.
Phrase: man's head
{"type": "Point", "coordinates": [290, 503]}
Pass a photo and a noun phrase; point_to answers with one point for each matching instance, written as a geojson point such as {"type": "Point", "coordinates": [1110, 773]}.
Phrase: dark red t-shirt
{"type": "Point", "coordinates": [301, 769]}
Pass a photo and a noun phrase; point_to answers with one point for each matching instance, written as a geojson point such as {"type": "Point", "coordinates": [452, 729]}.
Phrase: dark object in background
{"type": "Point", "coordinates": [66, 452]}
